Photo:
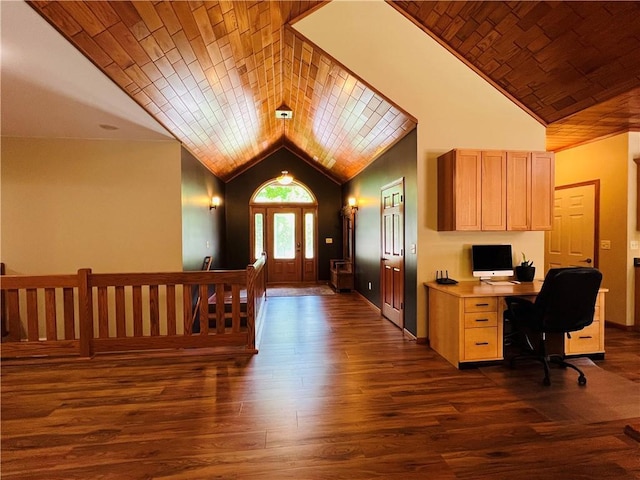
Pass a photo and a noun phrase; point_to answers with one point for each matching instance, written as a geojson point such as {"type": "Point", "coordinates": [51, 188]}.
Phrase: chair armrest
{"type": "Point", "coordinates": [520, 309]}
{"type": "Point", "coordinates": [520, 301]}
{"type": "Point", "coordinates": [338, 261]}
{"type": "Point", "coordinates": [340, 264]}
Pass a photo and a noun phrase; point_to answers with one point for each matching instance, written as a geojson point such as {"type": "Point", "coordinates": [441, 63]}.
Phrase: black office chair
{"type": "Point", "coordinates": [566, 303]}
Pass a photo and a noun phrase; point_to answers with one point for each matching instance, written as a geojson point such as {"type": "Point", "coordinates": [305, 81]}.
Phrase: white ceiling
{"type": "Point", "coordinates": [49, 89]}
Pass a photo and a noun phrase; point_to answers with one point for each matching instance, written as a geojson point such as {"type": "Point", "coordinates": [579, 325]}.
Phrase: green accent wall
{"type": "Point", "coordinates": [240, 189]}
{"type": "Point", "coordinates": [202, 229]}
{"type": "Point", "coordinates": [400, 161]}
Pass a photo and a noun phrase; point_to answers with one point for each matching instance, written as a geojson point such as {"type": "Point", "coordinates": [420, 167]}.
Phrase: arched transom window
{"type": "Point", "coordinates": [274, 192]}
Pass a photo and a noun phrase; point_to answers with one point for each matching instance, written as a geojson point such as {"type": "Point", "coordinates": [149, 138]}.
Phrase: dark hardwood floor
{"type": "Point", "coordinates": [336, 392]}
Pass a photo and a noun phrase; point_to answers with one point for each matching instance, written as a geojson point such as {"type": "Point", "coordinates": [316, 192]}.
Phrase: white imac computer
{"type": "Point", "coordinates": [490, 261]}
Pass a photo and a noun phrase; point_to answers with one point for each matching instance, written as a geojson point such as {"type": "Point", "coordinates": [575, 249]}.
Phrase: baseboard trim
{"type": "Point", "coordinates": [411, 336]}
{"type": "Point", "coordinates": [371, 304]}
{"type": "Point", "coordinates": [626, 328]}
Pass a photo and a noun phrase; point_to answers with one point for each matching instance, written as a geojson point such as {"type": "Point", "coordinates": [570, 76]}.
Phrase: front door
{"type": "Point", "coordinates": [572, 241]}
{"type": "Point", "coordinates": [283, 245]}
{"type": "Point", "coordinates": [290, 244]}
{"type": "Point", "coordinates": [392, 258]}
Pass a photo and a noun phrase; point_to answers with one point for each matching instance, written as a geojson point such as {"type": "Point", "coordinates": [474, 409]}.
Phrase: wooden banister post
{"type": "Point", "coordinates": [3, 307]}
{"type": "Point", "coordinates": [251, 308]}
{"type": "Point", "coordinates": [85, 306]}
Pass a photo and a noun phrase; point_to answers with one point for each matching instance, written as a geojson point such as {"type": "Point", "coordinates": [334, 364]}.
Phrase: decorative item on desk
{"type": "Point", "coordinates": [525, 272]}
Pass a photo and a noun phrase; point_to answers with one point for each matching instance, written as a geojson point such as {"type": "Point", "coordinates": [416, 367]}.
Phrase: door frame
{"type": "Point", "coordinates": [401, 182]}
{"type": "Point", "coordinates": [303, 208]}
{"type": "Point", "coordinates": [596, 216]}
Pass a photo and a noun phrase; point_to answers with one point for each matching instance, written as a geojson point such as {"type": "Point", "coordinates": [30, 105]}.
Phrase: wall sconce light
{"type": "Point", "coordinates": [353, 203]}
{"type": "Point", "coordinates": [285, 178]}
{"type": "Point", "coordinates": [215, 203]}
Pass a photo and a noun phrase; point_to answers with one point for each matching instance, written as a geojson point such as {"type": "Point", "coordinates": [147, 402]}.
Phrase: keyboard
{"type": "Point", "coordinates": [499, 283]}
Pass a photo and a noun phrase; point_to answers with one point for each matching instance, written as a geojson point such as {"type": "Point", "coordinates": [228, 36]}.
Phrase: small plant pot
{"type": "Point", "coordinates": [525, 274]}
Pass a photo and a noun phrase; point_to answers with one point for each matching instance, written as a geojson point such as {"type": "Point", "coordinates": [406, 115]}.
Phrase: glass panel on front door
{"type": "Point", "coordinates": [284, 235]}
{"type": "Point", "coordinates": [258, 233]}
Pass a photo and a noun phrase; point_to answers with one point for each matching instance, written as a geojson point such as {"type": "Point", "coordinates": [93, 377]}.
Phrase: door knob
{"type": "Point", "coordinates": [587, 260]}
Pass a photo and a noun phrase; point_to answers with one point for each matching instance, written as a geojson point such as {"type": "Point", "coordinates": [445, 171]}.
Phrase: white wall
{"type": "Point", "coordinates": [454, 107]}
{"type": "Point", "coordinates": [113, 206]}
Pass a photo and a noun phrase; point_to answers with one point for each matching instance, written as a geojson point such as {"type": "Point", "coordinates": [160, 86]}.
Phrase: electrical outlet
{"type": "Point", "coordinates": [634, 245]}
{"type": "Point", "coordinates": [605, 244]}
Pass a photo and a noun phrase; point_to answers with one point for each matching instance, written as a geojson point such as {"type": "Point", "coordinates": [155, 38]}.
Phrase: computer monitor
{"type": "Point", "coordinates": [491, 261]}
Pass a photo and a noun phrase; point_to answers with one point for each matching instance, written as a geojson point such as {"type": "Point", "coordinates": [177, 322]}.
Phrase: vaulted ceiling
{"type": "Point", "coordinates": [214, 73]}
{"type": "Point", "coordinates": [574, 66]}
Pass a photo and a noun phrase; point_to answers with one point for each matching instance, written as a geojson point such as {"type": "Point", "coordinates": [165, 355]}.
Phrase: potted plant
{"type": "Point", "coordinates": [525, 271]}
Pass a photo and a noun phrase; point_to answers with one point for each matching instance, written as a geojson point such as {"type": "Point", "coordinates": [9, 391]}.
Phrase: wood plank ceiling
{"type": "Point", "coordinates": [214, 73]}
{"type": "Point", "coordinates": [575, 66]}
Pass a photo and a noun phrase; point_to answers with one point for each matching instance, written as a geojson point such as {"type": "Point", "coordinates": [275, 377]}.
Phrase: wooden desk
{"type": "Point", "coordinates": [466, 328]}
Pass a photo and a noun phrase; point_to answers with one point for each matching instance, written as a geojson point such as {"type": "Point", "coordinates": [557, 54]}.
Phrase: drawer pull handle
{"type": "Point", "coordinates": [482, 343]}
{"type": "Point", "coordinates": [482, 304]}
{"type": "Point", "coordinates": [585, 336]}
{"type": "Point", "coordinates": [482, 319]}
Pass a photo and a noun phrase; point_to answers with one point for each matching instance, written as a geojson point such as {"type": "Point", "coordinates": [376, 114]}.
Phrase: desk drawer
{"type": "Point", "coordinates": [481, 343]}
{"type": "Point", "coordinates": [480, 319]}
{"type": "Point", "coordinates": [480, 304]}
{"type": "Point", "coordinates": [598, 314]}
{"type": "Point", "coordinates": [586, 340]}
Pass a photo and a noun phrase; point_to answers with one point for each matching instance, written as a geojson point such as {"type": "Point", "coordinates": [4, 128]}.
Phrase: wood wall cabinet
{"type": "Point", "coordinates": [542, 188]}
{"type": "Point", "coordinates": [495, 190]}
{"type": "Point", "coordinates": [459, 178]}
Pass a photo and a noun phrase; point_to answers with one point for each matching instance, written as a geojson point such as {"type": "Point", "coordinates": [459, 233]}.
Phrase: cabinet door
{"type": "Point", "coordinates": [467, 190]}
{"type": "Point", "coordinates": [518, 190]}
{"type": "Point", "coordinates": [494, 190]}
{"type": "Point", "coordinates": [542, 186]}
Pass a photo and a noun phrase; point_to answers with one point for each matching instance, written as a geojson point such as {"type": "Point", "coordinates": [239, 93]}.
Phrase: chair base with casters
{"type": "Point", "coordinates": [541, 355]}
{"type": "Point", "coordinates": [565, 304]}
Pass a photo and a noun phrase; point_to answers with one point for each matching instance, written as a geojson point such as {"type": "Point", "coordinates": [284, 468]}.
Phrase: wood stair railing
{"type": "Point", "coordinates": [87, 314]}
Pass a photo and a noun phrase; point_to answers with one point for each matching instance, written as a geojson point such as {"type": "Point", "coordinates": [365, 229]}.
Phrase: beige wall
{"type": "Point", "coordinates": [611, 161]}
{"type": "Point", "coordinates": [111, 206]}
{"type": "Point", "coordinates": [454, 107]}
{"type": "Point", "coordinates": [633, 227]}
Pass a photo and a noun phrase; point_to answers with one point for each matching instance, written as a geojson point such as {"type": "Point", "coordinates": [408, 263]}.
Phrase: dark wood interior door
{"type": "Point", "coordinates": [392, 258]}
